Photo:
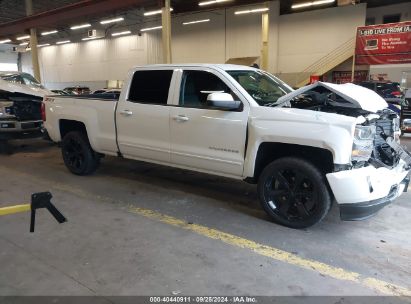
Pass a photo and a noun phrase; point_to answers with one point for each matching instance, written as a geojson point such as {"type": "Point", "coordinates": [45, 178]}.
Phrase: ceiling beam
{"type": "Point", "coordinates": [61, 15]}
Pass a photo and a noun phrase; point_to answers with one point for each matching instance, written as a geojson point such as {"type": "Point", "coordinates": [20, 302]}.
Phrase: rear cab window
{"type": "Point", "coordinates": [150, 87]}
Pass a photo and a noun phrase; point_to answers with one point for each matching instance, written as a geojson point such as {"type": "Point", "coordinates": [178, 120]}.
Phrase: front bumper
{"type": "Point", "coordinates": [362, 192]}
{"type": "Point", "coordinates": [361, 211]}
{"type": "Point", "coordinates": [13, 129]}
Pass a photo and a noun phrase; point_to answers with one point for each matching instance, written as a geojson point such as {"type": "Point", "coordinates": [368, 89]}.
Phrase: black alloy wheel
{"type": "Point", "coordinates": [294, 193]}
{"type": "Point", "coordinates": [78, 155]}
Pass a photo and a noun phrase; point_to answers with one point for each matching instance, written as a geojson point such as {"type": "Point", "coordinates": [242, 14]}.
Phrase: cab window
{"type": "Point", "coordinates": [197, 85]}
{"type": "Point", "coordinates": [150, 87]}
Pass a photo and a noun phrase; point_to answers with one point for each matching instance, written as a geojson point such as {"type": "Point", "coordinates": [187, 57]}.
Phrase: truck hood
{"type": "Point", "coordinates": [358, 96]}
{"type": "Point", "coordinates": [24, 89]}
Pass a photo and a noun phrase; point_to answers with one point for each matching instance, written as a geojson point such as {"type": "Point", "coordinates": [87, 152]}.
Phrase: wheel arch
{"type": "Point", "coordinates": [268, 152]}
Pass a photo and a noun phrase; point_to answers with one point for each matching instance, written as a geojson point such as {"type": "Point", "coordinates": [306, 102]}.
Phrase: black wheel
{"type": "Point", "coordinates": [78, 155]}
{"type": "Point", "coordinates": [294, 193]}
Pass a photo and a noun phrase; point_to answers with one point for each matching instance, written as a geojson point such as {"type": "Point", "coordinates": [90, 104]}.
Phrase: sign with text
{"type": "Point", "coordinates": [340, 77]}
{"type": "Point", "coordinates": [383, 44]}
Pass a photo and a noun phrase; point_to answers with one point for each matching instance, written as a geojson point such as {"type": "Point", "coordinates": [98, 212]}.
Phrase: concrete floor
{"type": "Point", "coordinates": [107, 249]}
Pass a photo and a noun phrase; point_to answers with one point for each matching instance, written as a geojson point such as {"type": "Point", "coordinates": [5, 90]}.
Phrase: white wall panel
{"type": "Point", "coordinates": [306, 37]}
{"type": "Point", "coordinates": [96, 60]}
{"type": "Point", "coordinates": [243, 33]}
{"type": "Point", "coordinates": [201, 42]}
{"type": "Point", "coordinates": [295, 42]}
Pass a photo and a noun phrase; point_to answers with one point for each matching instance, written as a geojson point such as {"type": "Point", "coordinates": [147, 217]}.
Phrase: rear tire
{"type": "Point", "coordinates": [78, 155]}
{"type": "Point", "coordinates": [294, 193]}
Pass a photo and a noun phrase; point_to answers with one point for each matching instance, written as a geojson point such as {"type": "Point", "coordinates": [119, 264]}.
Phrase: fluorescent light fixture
{"type": "Point", "coordinates": [121, 33]}
{"type": "Point", "coordinates": [49, 32]}
{"type": "Point", "coordinates": [24, 43]}
{"type": "Point", "coordinates": [45, 44]}
{"type": "Point", "coordinates": [112, 20]}
{"type": "Point", "coordinates": [196, 21]}
{"type": "Point", "coordinates": [90, 38]}
{"type": "Point", "coordinates": [76, 27]}
{"type": "Point", "coordinates": [212, 2]}
{"type": "Point", "coordinates": [5, 41]}
{"type": "Point", "coordinates": [311, 3]}
{"type": "Point", "coordinates": [23, 37]}
{"type": "Point", "coordinates": [151, 28]}
{"type": "Point", "coordinates": [151, 13]}
{"type": "Point", "coordinates": [256, 10]}
{"type": "Point", "coordinates": [63, 42]}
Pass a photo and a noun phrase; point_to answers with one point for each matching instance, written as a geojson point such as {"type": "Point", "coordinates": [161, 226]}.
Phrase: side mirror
{"type": "Point", "coordinates": [223, 101]}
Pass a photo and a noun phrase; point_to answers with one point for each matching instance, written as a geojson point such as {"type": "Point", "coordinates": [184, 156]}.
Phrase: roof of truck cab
{"type": "Point", "coordinates": [226, 67]}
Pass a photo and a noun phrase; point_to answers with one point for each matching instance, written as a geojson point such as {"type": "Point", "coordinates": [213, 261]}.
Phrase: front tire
{"type": "Point", "coordinates": [294, 193]}
{"type": "Point", "coordinates": [78, 155]}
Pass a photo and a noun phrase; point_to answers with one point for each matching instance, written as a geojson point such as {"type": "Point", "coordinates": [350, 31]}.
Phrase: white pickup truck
{"type": "Point", "coordinates": [304, 148]}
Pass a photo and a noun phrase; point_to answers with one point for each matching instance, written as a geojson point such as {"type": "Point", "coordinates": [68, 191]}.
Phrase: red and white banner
{"type": "Point", "coordinates": [383, 44]}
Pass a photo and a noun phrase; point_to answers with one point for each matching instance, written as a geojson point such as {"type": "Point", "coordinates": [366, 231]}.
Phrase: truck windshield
{"type": "Point", "coordinates": [21, 78]}
{"type": "Point", "coordinates": [264, 88]}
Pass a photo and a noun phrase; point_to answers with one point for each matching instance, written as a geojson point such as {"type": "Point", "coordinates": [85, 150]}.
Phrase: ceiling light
{"type": "Point", "coordinates": [112, 20]}
{"type": "Point", "coordinates": [212, 2]}
{"type": "Point", "coordinates": [256, 10]}
{"type": "Point", "coordinates": [151, 13]}
{"type": "Point", "coordinates": [196, 21]}
{"type": "Point", "coordinates": [28, 49]}
{"type": "Point", "coordinates": [312, 3]}
{"type": "Point", "coordinates": [24, 43]}
{"type": "Point", "coordinates": [121, 33]}
{"type": "Point", "coordinates": [48, 33]}
{"type": "Point", "coordinates": [5, 41]}
{"type": "Point", "coordinates": [90, 38]}
{"type": "Point", "coordinates": [45, 44]}
{"type": "Point", "coordinates": [23, 37]}
{"type": "Point", "coordinates": [62, 42]}
{"type": "Point", "coordinates": [151, 28]}
{"type": "Point", "coordinates": [76, 27]}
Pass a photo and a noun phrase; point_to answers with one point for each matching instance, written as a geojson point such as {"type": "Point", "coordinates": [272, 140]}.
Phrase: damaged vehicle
{"type": "Point", "coordinates": [305, 148]}
{"type": "Point", "coordinates": [20, 106]}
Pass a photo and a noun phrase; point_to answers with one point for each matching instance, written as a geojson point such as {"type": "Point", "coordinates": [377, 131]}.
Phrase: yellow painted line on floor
{"type": "Point", "coordinates": [380, 286]}
{"type": "Point", "coordinates": [277, 254]}
{"type": "Point", "coordinates": [15, 209]}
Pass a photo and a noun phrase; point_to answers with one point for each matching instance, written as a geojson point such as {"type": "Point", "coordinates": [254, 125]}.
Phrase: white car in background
{"type": "Point", "coordinates": [20, 105]}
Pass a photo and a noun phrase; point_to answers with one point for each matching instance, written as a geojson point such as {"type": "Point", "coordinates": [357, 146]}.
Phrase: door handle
{"type": "Point", "coordinates": [126, 113]}
{"type": "Point", "coordinates": [181, 118]}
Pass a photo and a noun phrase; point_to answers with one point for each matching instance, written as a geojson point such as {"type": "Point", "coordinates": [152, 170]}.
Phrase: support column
{"type": "Point", "coordinates": [166, 31]}
{"type": "Point", "coordinates": [264, 37]}
{"type": "Point", "coordinates": [33, 44]}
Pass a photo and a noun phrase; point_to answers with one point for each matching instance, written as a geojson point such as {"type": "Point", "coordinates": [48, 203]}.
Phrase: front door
{"type": "Point", "coordinates": [206, 138]}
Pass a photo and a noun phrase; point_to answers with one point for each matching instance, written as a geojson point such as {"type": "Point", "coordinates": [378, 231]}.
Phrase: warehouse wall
{"type": "Point", "coordinates": [8, 59]}
{"type": "Point", "coordinates": [296, 41]}
{"type": "Point", "coordinates": [306, 37]}
{"type": "Point", "coordinates": [226, 36]}
{"type": "Point", "coordinates": [95, 60]}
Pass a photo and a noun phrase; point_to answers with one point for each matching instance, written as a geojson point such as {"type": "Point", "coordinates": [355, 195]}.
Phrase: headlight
{"type": "Point", "coordinates": [363, 143]}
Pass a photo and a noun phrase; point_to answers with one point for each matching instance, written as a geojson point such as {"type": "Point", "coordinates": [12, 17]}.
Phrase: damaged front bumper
{"type": "Point", "coordinates": [13, 129]}
{"type": "Point", "coordinates": [362, 192]}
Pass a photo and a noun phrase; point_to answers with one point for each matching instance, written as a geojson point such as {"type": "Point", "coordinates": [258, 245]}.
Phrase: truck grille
{"type": "Point", "coordinates": [27, 110]}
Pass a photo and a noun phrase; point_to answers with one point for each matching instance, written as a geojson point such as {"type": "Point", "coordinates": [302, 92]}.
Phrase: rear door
{"type": "Point", "coordinates": [143, 117]}
{"type": "Point", "coordinates": [205, 138]}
